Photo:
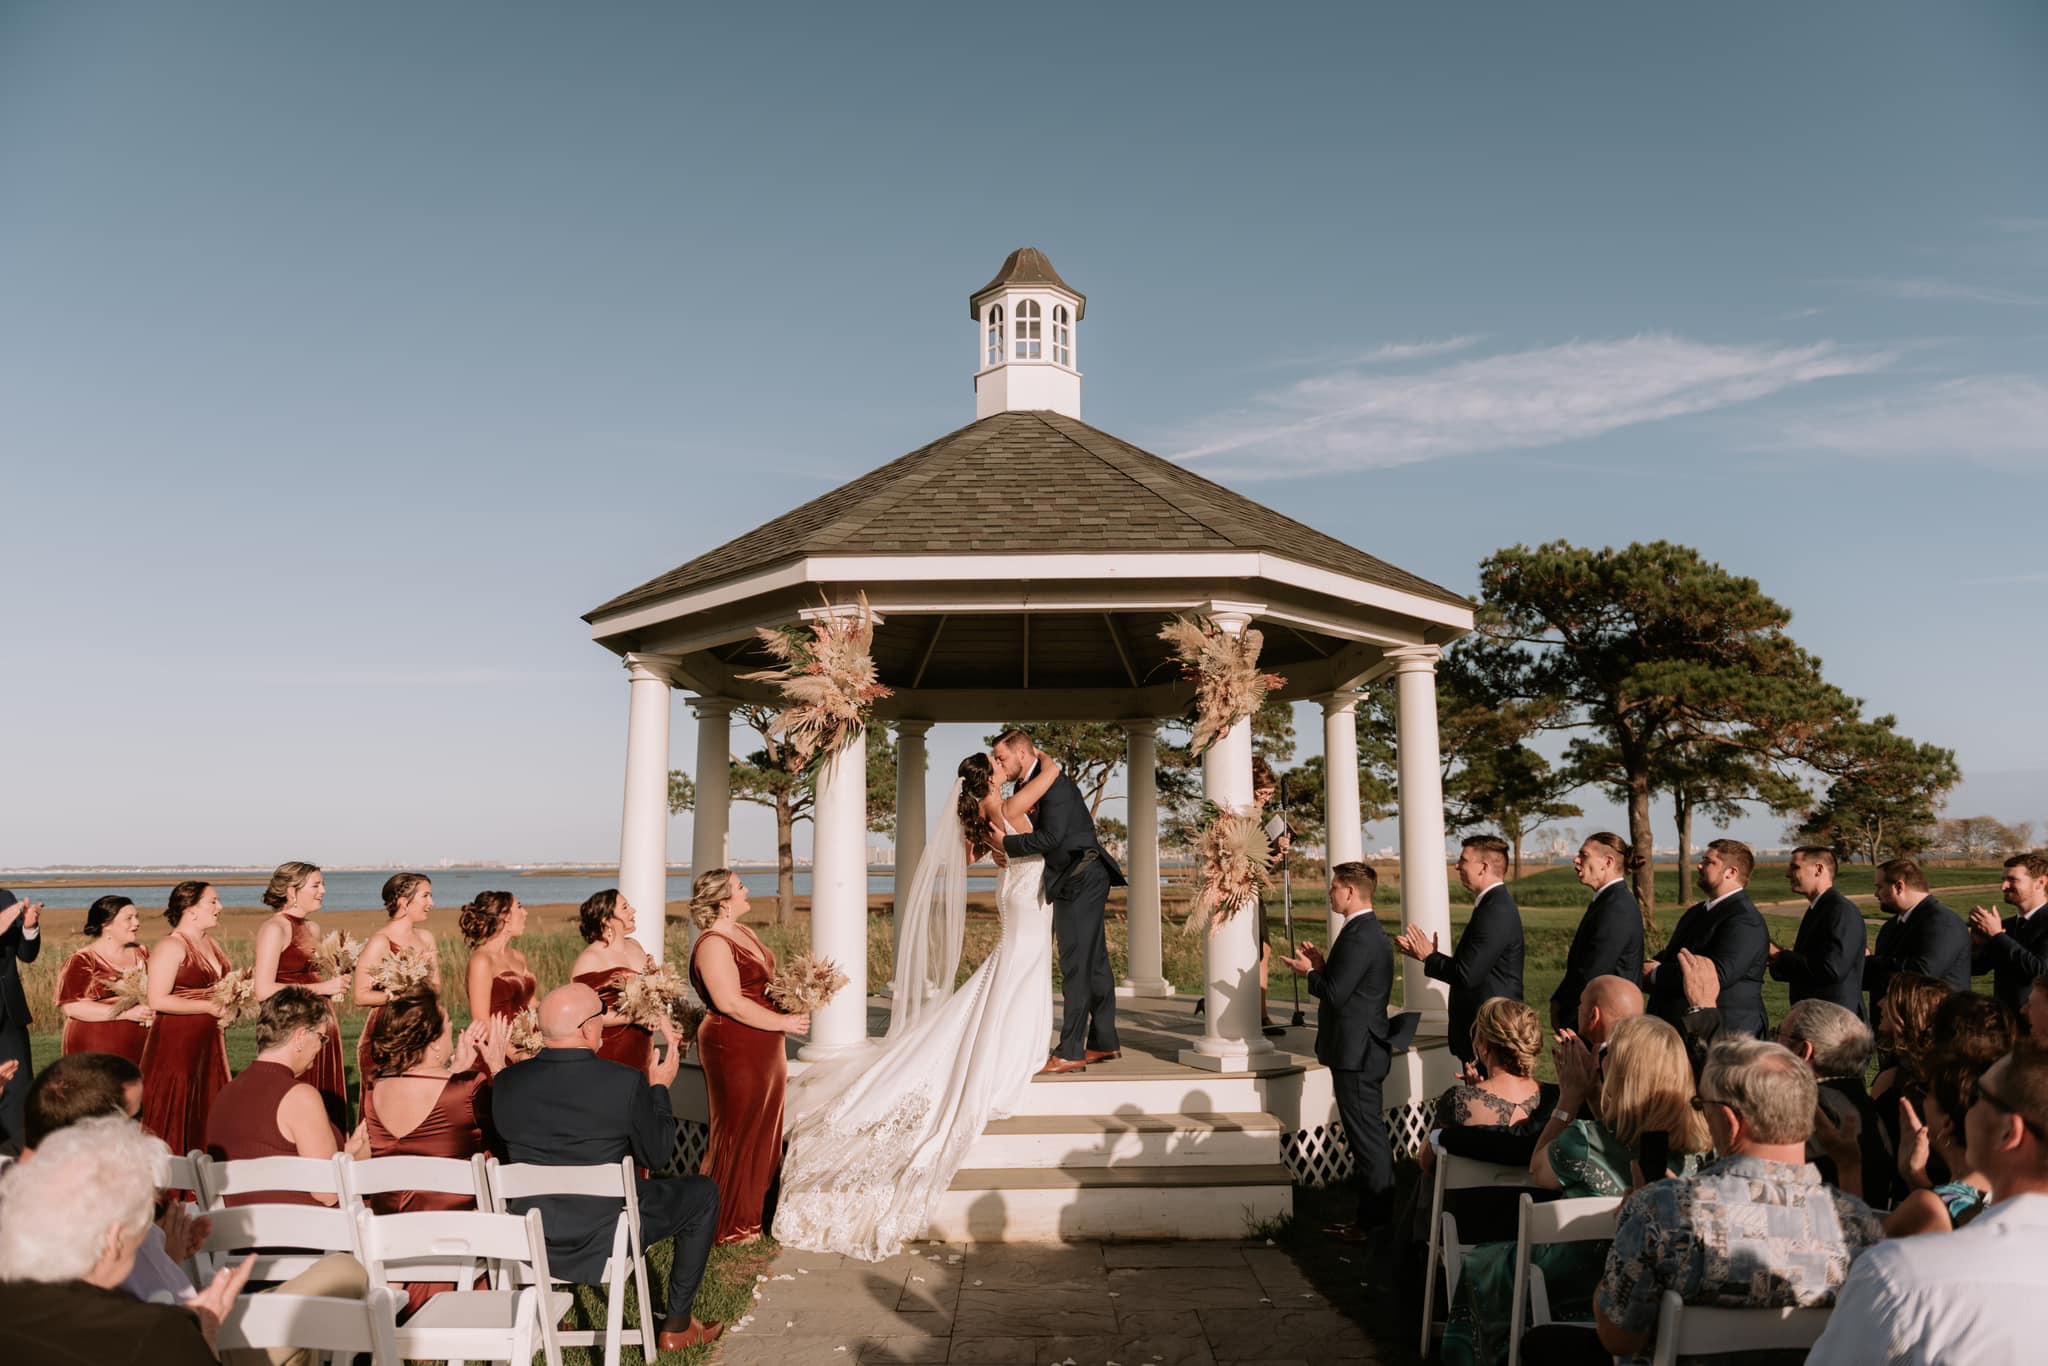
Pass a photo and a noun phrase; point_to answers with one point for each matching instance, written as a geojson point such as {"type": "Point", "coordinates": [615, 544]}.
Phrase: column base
{"type": "Point", "coordinates": [1156, 987]}
{"type": "Point", "coordinates": [1253, 1056]}
{"type": "Point", "coordinates": [830, 1052]}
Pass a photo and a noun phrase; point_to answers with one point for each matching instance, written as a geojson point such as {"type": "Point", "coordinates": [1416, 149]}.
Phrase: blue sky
{"type": "Point", "coordinates": [349, 353]}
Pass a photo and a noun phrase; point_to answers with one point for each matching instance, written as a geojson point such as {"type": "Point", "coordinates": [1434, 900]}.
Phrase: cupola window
{"type": "Point", "coordinates": [1062, 339]}
{"type": "Point", "coordinates": [1027, 330]}
{"type": "Point", "coordinates": [995, 335]}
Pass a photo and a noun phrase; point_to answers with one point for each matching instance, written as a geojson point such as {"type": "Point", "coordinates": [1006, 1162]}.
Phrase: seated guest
{"type": "Point", "coordinates": [268, 1111]}
{"type": "Point", "coordinates": [1946, 1205]}
{"type": "Point", "coordinates": [1726, 929]}
{"type": "Point", "coordinates": [567, 1107]}
{"type": "Point", "coordinates": [71, 1220]}
{"type": "Point", "coordinates": [1834, 1042]}
{"type": "Point", "coordinates": [1604, 1004]}
{"type": "Point", "coordinates": [1905, 1038]}
{"type": "Point", "coordinates": [1974, 1296]}
{"type": "Point", "coordinates": [1500, 1089]}
{"type": "Point", "coordinates": [1758, 1207]}
{"type": "Point", "coordinates": [424, 1095]}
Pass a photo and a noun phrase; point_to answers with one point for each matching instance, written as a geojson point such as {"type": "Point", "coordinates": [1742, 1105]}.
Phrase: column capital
{"type": "Point", "coordinates": [1232, 616]}
{"type": "Point", "coordinates": [644, 667]}
{"type": "Point", "coordinates": [911, 728]}
{"type": "Point", "coordinates": [832, 611]}
{"type": "Point", "coordinates": [1337, 703]}
{"type": "Point", "coordinates": [1144, 726]}
{"type": "Point", "coordinates": [1416, 659]}
{"type": "Point", "coordinates": [706, 708]}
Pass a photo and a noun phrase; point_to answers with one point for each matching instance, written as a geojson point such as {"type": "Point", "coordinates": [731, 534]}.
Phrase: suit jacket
{"type": "Point", "coordinates": [567, 1107]}
{"type": "Point", "coordinates": [1064, 832]}
{"type": "Point", "coordinates": [1352, 989]}
{"type": "Point", "coordinates": [1825, 961]}
{"type": "Point", "coordinates": [2015, 958]}
{"type": "Point", "coordinates": [16, 948]}
{"type": "Point", "coordinates": [71, 1323]}
{"type": "Point", "coordinates": [1930, 939]}
{"type": "Point", "coordinates": [1609, 943]}
{"type": "Point", "coordinates": [1732, 933]}
{"type": "Point", "coordinates": [1486, 963]}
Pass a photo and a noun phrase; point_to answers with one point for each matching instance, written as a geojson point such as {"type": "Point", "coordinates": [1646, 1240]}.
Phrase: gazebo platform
{"type": "Point", "coordinates": [1146, 1147]}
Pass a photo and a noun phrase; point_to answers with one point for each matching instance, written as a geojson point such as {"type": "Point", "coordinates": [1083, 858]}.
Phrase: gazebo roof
{"type": "Point", "coordinates": [1027, 266]}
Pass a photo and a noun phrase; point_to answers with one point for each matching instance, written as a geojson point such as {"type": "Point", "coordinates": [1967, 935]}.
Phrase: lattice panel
{"type": "Point", "coordinates": [692, 1142]}
{"type": "Point", "coordinates": [1319, 1155]}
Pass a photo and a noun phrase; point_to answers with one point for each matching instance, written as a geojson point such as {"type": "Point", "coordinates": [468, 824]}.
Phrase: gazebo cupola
{"type": "Point", "coordinates": [1027, 326]}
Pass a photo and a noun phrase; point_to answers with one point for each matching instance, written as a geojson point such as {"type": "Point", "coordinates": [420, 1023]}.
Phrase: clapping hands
{"type": "Point", "coordinates": [29, 913]}
{"type": "Point", "coordinates": [1578, 1071]}
{"type": "Point", "coordinates": [1308, 958]}
{"type": "Point", "coordinates": [212, 1304]}
{"type": "Point", "coordinates": [1417, 944]}
{"type": "Point", "coordinates": [1984, 923]}
{"type": "Point", "coordinates": [1702, 979]}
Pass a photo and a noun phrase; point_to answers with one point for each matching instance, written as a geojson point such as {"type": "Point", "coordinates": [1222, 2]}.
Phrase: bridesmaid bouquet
{"type": "Point", "coordinates": [337, 954]}
{"type": "Point", "coordinates": [236, 991]}
{"type": "Point", "coordinates": [806, 984]}
{"type": "Point", "coordinates": [1233, 862]}
{"type": "Point", "coordinates": [130, 989]}
{"type": "Point", "coordinates": [524, 1040]}
{"type": "Point", "coordinates": [403, 972]}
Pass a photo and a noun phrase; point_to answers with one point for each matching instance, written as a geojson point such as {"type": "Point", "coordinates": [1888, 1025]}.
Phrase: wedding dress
{"type": "Point", "coordinates": [875, 1138]}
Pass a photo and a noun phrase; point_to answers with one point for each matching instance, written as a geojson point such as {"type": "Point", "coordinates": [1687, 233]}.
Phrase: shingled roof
{"type": "Point", "coordinates": [1027, 266]}
{"type": "Point", "coordinates": [1091, 494]}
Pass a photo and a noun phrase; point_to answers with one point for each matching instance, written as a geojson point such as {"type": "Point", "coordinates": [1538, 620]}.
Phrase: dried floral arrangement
{"type": "Point", "coordinates": [1229, 685]}
{"type": "Point", "coordinates": [523, 1040]}
{"type": "Point", "coordinates": [827, 679]}
{"type": "Point", "coordinates": [656, 996]}
{"type": "Point", "coordinates": [337, 954]}
{"type": "Point", "coordinates": [1233, 863]}
{"type": "Point", "coordinates": [237, 991]}
{"type": "Point", "coordinates": [805, 984]}
{"type": "Point", "coordinates": [403, 972]}
{"type": "Point", "coordinates": [130, 989]}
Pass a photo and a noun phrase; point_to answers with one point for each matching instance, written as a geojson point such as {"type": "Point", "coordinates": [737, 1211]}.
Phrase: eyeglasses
{"type": "Point", "coordinates": [1985, 1093]}
{"type": "Point", "coordinates": [588, 1018]}
{"type": "Point", "coordinates": [1700, 1103]}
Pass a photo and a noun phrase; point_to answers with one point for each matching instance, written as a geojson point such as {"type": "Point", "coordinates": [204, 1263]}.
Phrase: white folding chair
{"type": "Point", "coordinates": [187, 1173]}
{"type": "Point", "coordinates": [286, 1239]}
{"type": "Point", "coordinates": [1586, 1220]}
{"type": "Point", "coordinates": [1685, 1330]}
{"type": "Point", "coordinates": [441, 1175]}
{"type": "Point", "coordinates": [249, 1175]}
{"type": "Point", "coordinates": [627, 1263]}
{"type": "Point", "coordinates": [1455, 1173]}
{"type": "Point", "coordinates": [320, 1323]}
{"type": "Point", "coordinates": [503, 1323]}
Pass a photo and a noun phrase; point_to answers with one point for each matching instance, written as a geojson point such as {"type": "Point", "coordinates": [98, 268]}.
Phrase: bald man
{"type": "Point", "coordinates": [567, 1107]}
{"type": "Point", "coordinates": [1605, 1003]}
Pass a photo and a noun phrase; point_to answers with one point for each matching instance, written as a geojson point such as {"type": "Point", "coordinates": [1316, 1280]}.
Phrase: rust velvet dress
{"type": "Point", "coordinates": [89, 977]}
{"type": "Point", "coordinates": [329, 1073]}
{"type": "Point", "coordinates": [458, 1127]}
{"type": "Point", "coordinates": [512, 992]}
{"type": "Point", "coordinates": [745, 1073]}
{"type": "Point", "coordinates": [185, 1060]}
{"type": "Point", "coordinates": [630, 1044]}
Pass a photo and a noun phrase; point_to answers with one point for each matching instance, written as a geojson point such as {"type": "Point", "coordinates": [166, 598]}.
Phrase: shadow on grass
{"type": "Point", "coordinates": [1361, 1281]}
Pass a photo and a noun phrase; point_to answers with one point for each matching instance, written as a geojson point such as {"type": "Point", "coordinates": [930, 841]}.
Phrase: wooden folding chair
{"type": "Point", "coordinates": [286, 1239]}
{"type": "Point", "coordinates": [251, 1175]}
{"type": "Point", "coordinates": [1685, 1330]}
{"type": "Point", "coordinates": [334, 1328]}
{"type": "Point", "coordinates": [627, 1263]}
{"type": "Point", "coordinates": [1586, 1220]}
{"type": "Point", "coordinates": [503, 1323]}
{"type": "Point", "coordinates": [1455, 1173]}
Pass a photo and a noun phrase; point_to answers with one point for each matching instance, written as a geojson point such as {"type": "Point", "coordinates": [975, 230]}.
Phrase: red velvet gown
{"type": "Point", "coordinates": [512, 992]}
{"type": "Point", "coordinates": [745, 1073]}
{"type": "Point", "coordinates": [89, 977]}
{"type": "Point", "coordinates": [458, 1126]}
{"type": "Point", "coordinates": [185, 1060]}
{"type": "Point", "coordinates": [329, 1073]}
{"type": "Point", "coordinates": [630, 1044]}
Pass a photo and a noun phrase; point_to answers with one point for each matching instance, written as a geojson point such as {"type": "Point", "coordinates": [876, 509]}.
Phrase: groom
{"type": "Point", "coordinates": [1078, 876]}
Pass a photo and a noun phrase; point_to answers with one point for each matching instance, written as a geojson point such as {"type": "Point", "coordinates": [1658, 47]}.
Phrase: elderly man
{"type": "Point", "coordinates": [1974, 1295]}
{"type": "Point", "coordinates": [1825, 962]}
{"type": "Point", "coordinates": [1488, 959]}
{"type": "Point", "coordinates": [1605, 1003]}
{"type": "Point", "coordinates": [1726, 929]}
{"type": "Point", "coordinates": [2014, 950]}
{"type": "Point", "coordinates": [1758, 1208]}
{"type": "Point", "coordinates": [1836, 1045]}
{"type": "Point", "coordinates": [567, 1107]}
{"type": "Point", "coordinates": [1921, 936]}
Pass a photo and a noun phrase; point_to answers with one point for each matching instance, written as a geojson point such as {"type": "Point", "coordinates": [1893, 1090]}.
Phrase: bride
{"type": "Point", "coordinates": [875, 1138]}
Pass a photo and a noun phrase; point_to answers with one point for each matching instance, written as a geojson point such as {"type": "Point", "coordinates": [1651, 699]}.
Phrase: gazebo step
{"type": "Point", "coordinates": [1062, 1203]}
{"type": "Point", "coordinates": [1079, 1141]}
{"type": "Point", "coordinates": [1140, 1085]}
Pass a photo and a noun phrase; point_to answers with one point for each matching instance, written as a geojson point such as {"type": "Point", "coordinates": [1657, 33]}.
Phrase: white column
{"type": "Point", "coordinates": [839, 898]}
{"type": "Point", "coordinates": [1344, 841]}
{"type": "Point", "coordinates": [713, 816]}
{"type": "Point", "coordinates": [1232, 1038]}
{"type": "Point", "coordinates": [1425, 883]}
{"type": "Point", "coordinates": [1147, 955]}
{"type": "Point", "coordinates": [643, 828]}
{"type": "Point", "coordinates": [911, 821]}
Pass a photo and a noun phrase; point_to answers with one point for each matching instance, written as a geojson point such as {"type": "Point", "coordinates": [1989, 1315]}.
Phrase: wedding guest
{"type": "Point", "coordinates": [1931, 1205]}
{"type": "Point", "coordinates": [1488, 960]}
{"type": "Point", "coordinates": [1726, 929]}
{"type": "Point", "coordinates": [1609, 940]}
{"type": "Point", "coordinates": [1603, 1006]}
{"type": "Point", "coordinates": [286, 946]}
{"type": "Point", "coordinates": [1905, 1030]}
{"type": "Point", "coordinates": [567, 1107]}
{"type": "Point", "coordinates": [269, 1110]}
{"type": "Point", "coordinates": [1500, 1089]}
{"type": "Point", "coordinates": [408, 901]}
{"type": "Point", "coordinates": [1836, 1045]}
{"type": "Point", "coordinates": [21, 939]}
{"type": "Point", "coordinates": [185, 1059]}
{"type": "Point", "coordinates": [2014, 950]}
{"type": "Point", "coordinates": [1352, 986]}
{"type": "Point", "coordinates": [499, 981]}
{"type": "Point", "coordinates": [1922, 935]}
{"type": "Point", "coordinates": [93, 1022]}
{"type": "Point", "coordinates": [607, 922]}
{"type": "Point", "coordinates": [1825, 962]}
{"type": "Point", "coordinates": [740, 1046]}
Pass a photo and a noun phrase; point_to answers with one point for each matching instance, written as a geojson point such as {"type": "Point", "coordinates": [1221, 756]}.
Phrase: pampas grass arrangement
{"type": "Point", "coordinates": [237, 991]}
{"type": "Point", "coordinates": [337, 954]}
{"type": "Point", "coordinates": [1233, 861]}
{"type": "Point", "coordinates": [403, 972]}
{"type": "Point", "coordinates": [654, 997]}
{"type": "Point", "coordinates": [827, 679]}
{"type": "Point", "coordinates": [523, 1040]}
{"type": "Point", "coordinates": [1229, 685]}
{"type": "Point", "coordinates": [130, 989]}
{"type": "Point", "coordinates": [805, 984]}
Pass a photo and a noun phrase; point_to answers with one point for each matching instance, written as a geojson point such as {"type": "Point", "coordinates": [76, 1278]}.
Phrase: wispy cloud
{"type": "Point", "coordinates": [1389, 354]}
{"type": "Point", "coordinates": [1354, 418]}
{"type": "Point", "coordinates": [1936, 289]}
{"type": "Point", "coordinates": [2000, 580]}
{"type": "Point", "coordinates": [1993, 419]}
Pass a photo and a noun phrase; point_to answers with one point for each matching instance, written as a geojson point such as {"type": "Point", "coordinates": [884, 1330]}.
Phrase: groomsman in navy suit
{"type": "Point", "coordinates": [1727, 929]}
{"type": "Point", "coordinates": [1352, 986]}
{"type": "Point", "coordinates": [1922, 935]}
{"type": "Point", "coordinates": [2014, 950]}
{"type": "Point", "coordinates": [1825, 962]}
{"type": "Point", "coordinates": [20, 941]}
{"type": "Point", "coordinates": [1488, 959]}
{"type": "Point", "coordinates": [1609, 941]}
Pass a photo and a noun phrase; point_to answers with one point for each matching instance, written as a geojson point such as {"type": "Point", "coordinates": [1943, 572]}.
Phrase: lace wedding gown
{"type": "Point", "coordinates": [874, 1139]}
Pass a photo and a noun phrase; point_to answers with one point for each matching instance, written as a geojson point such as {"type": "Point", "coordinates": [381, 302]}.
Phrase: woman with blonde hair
{"type": "Point", "coordinates": [1498, 1089]}
{"type": "Point", "coordinates": [740, 1046]}
{"type": "Point", "coordinates": [408, 901]}
{"type": "Point", "coordinates": [286, 946]}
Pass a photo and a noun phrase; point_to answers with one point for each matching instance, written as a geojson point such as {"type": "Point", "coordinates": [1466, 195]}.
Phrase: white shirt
{"type": "Point", "coordinates": [1973, 1296]}
{"type": "Point", "coordinates": [1611, 882]}
{"type": "Point", "coordinates": [1361, 911]}
{"type": "Point", "coordinates": [1721, 898]}
{"type": "Point", "coordinates": [1485, 892]}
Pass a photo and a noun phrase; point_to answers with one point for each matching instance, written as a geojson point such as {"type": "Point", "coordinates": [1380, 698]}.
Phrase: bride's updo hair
{"type": "Point", "coordinates": [977, 779]}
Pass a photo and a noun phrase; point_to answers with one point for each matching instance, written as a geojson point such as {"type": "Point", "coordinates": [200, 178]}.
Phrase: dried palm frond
{"type": "Point", "coordinates": [237, 991]}
{"type": "Point", "coordinates": [1229, 686]}
{"type": "Point", "coordinates": [827, 679]}
{"type": "Point", "coordinates": [403, 972]}
{"type": "Point", "coordinates": [337, 954]}
{"type": "Point", "coordinates": [805, 984]}
{"type": "Point", "coordinates": [130, 989]}
{"type": "Point", "coordinates": [653, 997]}
{"type": "Point", "coordinates": [1233, 861]}
{"type": "Point", "coordinates": [523, 1040]}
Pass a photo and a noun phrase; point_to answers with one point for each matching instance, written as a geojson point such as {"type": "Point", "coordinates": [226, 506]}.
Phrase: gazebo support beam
{"type": "Point", "coordinates": [711, 821]}
{"type": "Point", "coordinates": [643, 826]}
{"type": "Point", "coordinates": [911, 822]}
{"type": "Point", "coordinates": [1147, 955]}
{"type": "Point", "coordinates": [839, 897]}
{"type": "Point", "coordinates": [1425, 884]}
{"type": "Point", "coordinates": [1345, 838]}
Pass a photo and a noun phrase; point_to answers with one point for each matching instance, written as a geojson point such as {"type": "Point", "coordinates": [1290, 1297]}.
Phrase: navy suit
{"type": "Point", "coordinates": [1825, 962]}
{"type": "Point", "coordinates": [2015, 958]}
{"type": "Point", "coordinates": [1487, 963]}
{"type": "Point", "coordinates": [1608, 943]}
{"type": "Point", "coordinates": [1353, 1033]}
{"type": "Point", "coordinates": [16, 948]}
{"type": "Point", "coordinates": [1930, 939]}
{"type": "Point", "coordinates": [567, 1107]}
{"type": "Point", "coordinates": [1078, 876]}
{"type": "Point", "coordinates": [1732, 934]}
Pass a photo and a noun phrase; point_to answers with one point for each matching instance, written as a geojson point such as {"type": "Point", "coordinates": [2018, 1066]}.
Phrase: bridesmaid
{"type": "Point", "coordinates": [185, 1061]}
{"type": "Point", "coordinates": [285, 946]}
{"type": "Point", "coordinates": [498, 980]}
{"type": "Point", "coordinates": [408, 900]}
{"type": "Point", "coordinates": [93, 1023]}
{"type": "Point", "coordinates": [607, 922]}
{"type": "Point", "coordinates": [740, 1047]}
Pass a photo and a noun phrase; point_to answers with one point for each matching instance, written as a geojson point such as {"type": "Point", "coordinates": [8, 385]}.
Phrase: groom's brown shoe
{"type": "Point", "coordinates": [1056, 1066]}
{"type": "Point", "coordinates": [696, 1335]}
{"type": "Point", "coordinates": [1093, 1055]}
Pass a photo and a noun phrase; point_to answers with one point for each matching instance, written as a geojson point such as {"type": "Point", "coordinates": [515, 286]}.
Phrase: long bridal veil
{"type": "Point", "coordinates": [931, 921]}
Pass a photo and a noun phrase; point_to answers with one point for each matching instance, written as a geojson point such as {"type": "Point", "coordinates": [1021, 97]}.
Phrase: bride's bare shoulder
{"type": "Point", "coordinates": [992, 807]}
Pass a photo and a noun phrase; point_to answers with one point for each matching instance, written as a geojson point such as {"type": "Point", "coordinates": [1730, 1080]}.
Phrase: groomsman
{"type": "Point", "coordinates": [1609, 941]}
{"type": "Point", "coordinates": [1352, 987]}
{"type": "Point", "coordinates": [1726, 929]}
{"type": "Point", "coordinates": [1825, 962]}
{"type": "Point", "coordinates": [1488, 960]}
{"type": "Point", "coordinates": [2014, 950]}
{"type": "Point", "coordinates": [1922, 936]}
{"type": "Point", "coordinates": [20, 941]}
